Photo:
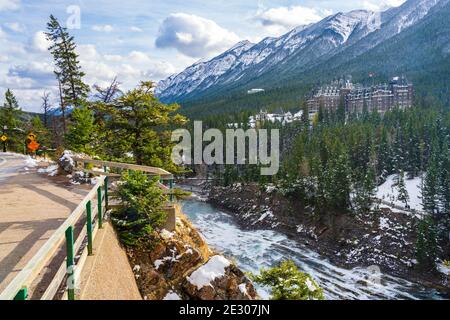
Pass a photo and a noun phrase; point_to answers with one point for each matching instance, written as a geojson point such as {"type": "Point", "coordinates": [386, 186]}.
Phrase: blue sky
{"type": "Point", "coordinates": [142, 40]}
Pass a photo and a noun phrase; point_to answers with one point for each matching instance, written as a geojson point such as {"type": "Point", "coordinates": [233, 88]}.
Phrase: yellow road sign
{"type": "Point", "coordinates": [3, 138]}
{"type": "Point", "coordinates": [31, 136]}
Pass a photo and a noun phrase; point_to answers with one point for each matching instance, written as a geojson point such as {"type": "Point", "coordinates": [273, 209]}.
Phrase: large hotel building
{"type": "Point", "coordinates": [356, 98]}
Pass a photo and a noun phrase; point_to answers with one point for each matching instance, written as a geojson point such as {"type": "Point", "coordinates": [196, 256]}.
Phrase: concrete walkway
{"type": "Point", "coordinates": [107, 275]}
{"type": "Point", "coordinates": [32, 207]}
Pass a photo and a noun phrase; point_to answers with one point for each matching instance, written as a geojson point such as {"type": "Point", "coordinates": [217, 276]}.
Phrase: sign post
{"type": "Point", "coordinates": [32, 145]}
{"type": "Point", "coordinates": [4, 138]}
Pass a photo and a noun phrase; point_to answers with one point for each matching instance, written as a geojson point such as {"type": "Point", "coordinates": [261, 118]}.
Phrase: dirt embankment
{"type": "Point", "coordinates": [385, 238]}
{"type": "Point", "coordinates": [180, 265]}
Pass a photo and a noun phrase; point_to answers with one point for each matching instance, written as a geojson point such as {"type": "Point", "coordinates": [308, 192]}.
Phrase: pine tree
{"type": "Point", "coordinates": [338, 185]}
{"type": "Point", "coordinates": [80, 136]}
{"type": "Point", "coordinates": [430, 186]}
{"type": "Point", "coordinates": [426, 244]}
{"type": "Point", "coordinates": [139, 123]}
{"type": "Point", "coordinates": [305, 115]}
{"type": "Point", "coordinates": [364, 189]}
{"type": "Point", "coordinates": [10, 121]}
{"type": "Point", "coordinates": [68, 70]}
{"type": "Point", "coordinates": [444, 187]}
{"type": "Point", "coordinates": [403, 195]}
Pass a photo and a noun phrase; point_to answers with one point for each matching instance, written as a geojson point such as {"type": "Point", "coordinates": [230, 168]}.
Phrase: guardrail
{"type": "Point", "coordinates": [106, 165]}
{"type": "Point", "coordinates": [18, 288]}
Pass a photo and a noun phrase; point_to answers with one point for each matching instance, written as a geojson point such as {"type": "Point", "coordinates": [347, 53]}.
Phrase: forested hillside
{"type": "Point", "coordinates": [424, 60]}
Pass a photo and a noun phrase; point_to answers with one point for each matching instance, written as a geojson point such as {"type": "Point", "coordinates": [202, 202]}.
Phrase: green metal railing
{"type": "Point", "coordinates": [70, 270]}
{"type": "Point", "coordinates": [19, 287]}
{"type": "Point", "coordinates": [164, 175]}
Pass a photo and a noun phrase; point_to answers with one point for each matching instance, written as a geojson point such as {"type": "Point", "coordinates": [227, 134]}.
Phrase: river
{"type": "Point", "coordinates": [252, 250]}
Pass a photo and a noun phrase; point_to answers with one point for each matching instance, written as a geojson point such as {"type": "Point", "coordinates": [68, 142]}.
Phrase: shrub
{"type": "Point", "coordinates": [287, 282]}
{"type": "Point", "coordinates": [141, 212]}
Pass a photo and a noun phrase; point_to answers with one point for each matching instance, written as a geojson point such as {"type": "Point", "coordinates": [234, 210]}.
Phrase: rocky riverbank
{"type": "Point", "coordinates": [181, 266]}
{"type": "Point", "coordinates": [384, 238]}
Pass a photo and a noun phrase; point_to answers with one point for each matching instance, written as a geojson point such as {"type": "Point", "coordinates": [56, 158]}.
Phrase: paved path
{"type": "Point", "coordinates": [107, 275]}
{"type": "Point", "coordinates": [32, 207]}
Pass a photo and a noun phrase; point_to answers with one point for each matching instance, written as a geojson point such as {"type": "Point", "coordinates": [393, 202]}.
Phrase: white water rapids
{"type": "Point", "coordinates": [252, 250]}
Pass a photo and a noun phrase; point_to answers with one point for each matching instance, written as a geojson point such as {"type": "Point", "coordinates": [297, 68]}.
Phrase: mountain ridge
{"type": "Point", "coordinates": [334, 41]}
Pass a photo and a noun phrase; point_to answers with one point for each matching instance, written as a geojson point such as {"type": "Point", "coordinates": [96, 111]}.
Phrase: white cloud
{"type": "Point", "coordinates": [194, 36]}
{"type": "Point", "coordinates": [2, 34]}
{"type": "Point", "coordinates": [36, 74]}
{"type": "Point", "coordinates": [103, 28]}
{"type": "Point", "coordinates": [282, 19]}
{"type": "Point", "coordinates": [40, 42]}
{"type": "Point", "coordinates": [9, 5]}
{"type": "Point", "coordinates": [15, 26]}
{"type": "Point", "coordinates": [381, 5]}
{"type": "Point", "coordinates": [136, 29]}
{"type": "Point", "coordinates": [130, 68]}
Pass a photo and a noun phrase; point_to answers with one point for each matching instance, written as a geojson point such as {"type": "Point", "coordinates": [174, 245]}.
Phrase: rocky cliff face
{"type": "Point", "coordinates": [385, 237]}
{"type": "Point", "coordinates": [181, 266]}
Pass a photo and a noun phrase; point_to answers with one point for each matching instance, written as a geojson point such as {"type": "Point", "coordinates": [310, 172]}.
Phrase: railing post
{"type": "Point", "coordinates": [70, 263]}
{"type": "Point", "coordinates": [22, 294]}
{"type": "Point", "coordinates": [100, 208]}
{"type": "Point", "coordinates": [105, 169]}
{"type": "Point", "coordinates": [106, 193]}
{"type": "Point", "coordinates": [171, 189]}
{"type": "Point", "coordinates": [89, 226]}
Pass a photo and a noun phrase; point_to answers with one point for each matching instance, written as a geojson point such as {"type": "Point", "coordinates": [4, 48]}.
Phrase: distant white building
{"type": "Point", "coordinates": [253, 91]}
{"type": "Point", "coordinates": [263, 116]}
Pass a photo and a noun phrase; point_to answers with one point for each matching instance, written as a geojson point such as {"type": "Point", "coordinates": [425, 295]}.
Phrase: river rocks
{"type": "Point", "coordinates": [227, 284]}
{"type": "Point", "coordinates": [181, 265]}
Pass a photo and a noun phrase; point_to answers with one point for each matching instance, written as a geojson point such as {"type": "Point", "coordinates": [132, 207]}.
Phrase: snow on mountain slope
{"type": "Point", "coordinates": [303, 47]}
{"type": "Point", "coordinates": [233, 63]}
{"type": "Point", "coordinates": [388, 192]}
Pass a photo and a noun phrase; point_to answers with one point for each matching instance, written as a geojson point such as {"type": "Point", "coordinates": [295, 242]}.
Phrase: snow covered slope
{"type": "Point", "coordinates": [388, 192]}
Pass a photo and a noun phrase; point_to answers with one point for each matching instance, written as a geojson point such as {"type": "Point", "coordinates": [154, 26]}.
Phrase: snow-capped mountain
{"type": "Point", "coordinates": [302, 48]}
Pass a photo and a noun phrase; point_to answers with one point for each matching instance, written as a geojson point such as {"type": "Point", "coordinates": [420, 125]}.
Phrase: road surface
{"type": "Point", "coordinates": [32, 206]}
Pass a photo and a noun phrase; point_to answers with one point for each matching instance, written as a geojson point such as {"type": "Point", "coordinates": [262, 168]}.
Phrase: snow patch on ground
{"type": "Point", "coordinates": [442, 268]}
{"type": "Point", "coordinates": [165, 234]}
{"type": "Point", "coordinates": [50, 170]}
{"type": "Point", "coordinates": [265, 215]}
{"type": "Point", "coordinates": [388, 192]}
{"type": "Point", "coordinates": [213, 269]}
{"type": "Point", "coordinates": [30, 162]}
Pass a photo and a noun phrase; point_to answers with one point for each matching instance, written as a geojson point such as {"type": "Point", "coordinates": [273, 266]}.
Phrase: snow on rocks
{"type": "Point", "coordinates": [66, 162]}
{"type": "Point", "coordinates": [172, 296]}
{"type": "Point", "coordinates": [214, 268]}
{"type": "Point", "coordinates": [444, 269]}
{"type": "Point", "coordinates": [173, 258]}
{"type": "Point", "coordinates": [243, 288]}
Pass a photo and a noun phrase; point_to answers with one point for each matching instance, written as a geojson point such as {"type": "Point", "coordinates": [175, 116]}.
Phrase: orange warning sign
{"type": "Point", "coordinates": [33, 146]}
